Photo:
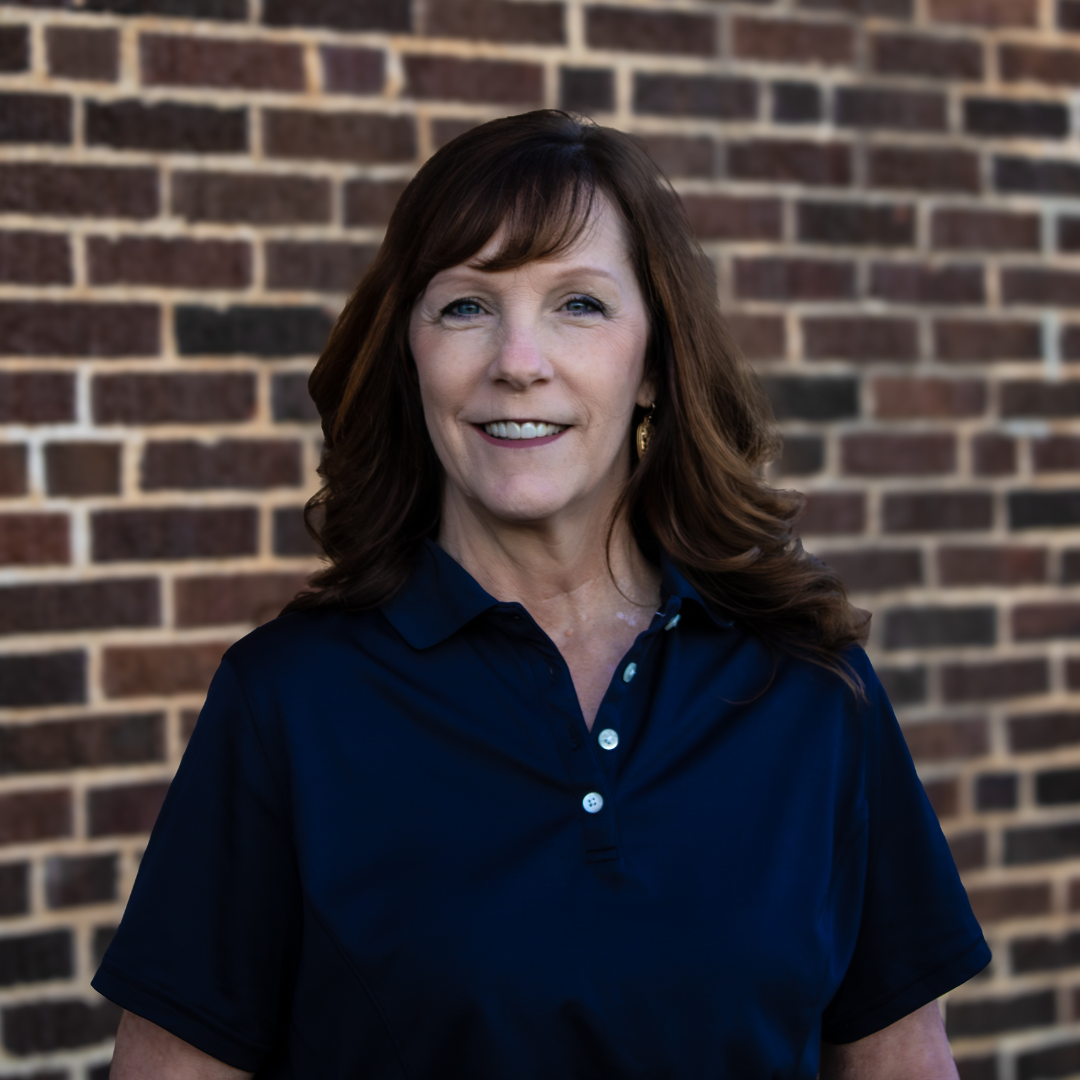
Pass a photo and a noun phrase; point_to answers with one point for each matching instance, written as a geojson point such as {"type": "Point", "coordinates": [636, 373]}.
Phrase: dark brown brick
{"type": "Point", "coordinates": [912, 283]}
{"type": "Point", "coordinates": [997, 903]}
{"type": "Point", "coordinates": [290, 399]}
{"type": "Point", "coordinates": [35, 815]}
{"type": "Point", "coordinates": [320, 265]}
{"type": "Point", "coordinates": [78, 190]}
{"type": "Point", "coordinates": [77, 52]}
{"type": "Point", "coordinates": [1057, 787]}
{"type": "Point", "coordinates": [1032, 398]}
{"type": "Point", "coordinates": [1045, 731]}
{"type": "Point", "coordinates": [860, 339]}
{"type": "Point", "coordinates": [988, 13]}
{"type": "Point", "coordinates": [930, 627]}
{"type": "Point", "coordinates": [833, 513]}
{"type": "Point", "coordinates": [679, 156]}
{"type": "Point", "coordinates": [880, 454]}
{"type": "Point", "coordinates": [1039, 622]}
{"type": "Point", "coordinates": [1005, 117]}
{"type": "Point", "coordinates": [722, 217]}
{"type": "Point", "coordinates": [912, 110]}
{"type": "Point", "coordinates": [35, 118]}
{"type": "Point", "coordinates": [161, 669]}
{"type": "Point", "coordinates": [873, 571]}
{"type": "Point", "coordinates": [43, 397]}
{"type": "Point", "coordinates": [42, 328]}
{"type": "Point", "coordinates": [716, 96]}
{"type": "Point", "coordinates": [174, 533]}
{"type": "Point", "coordinates": [124, 811]}
{"type": "Point", "coordinates": [14, 48]}
{"type": "Point", "coordinates": [12, 469]}
{"type": "Point", "coordinates": [1054, 1061]}
{"type": "Point", "coordinates": [793, 279]}
{"type": "Point", "coordinates": [991, 565]}
{"type": "Point", "coordinates": [985, 230]}
{"type": "Point", "coordinates": [1060, 67]}
{"type": "Point", "coordinates": [802, 455]}
{"type": "Point", "coordinates": [186, 9]}
{"type": "Point", "coordinates": [907, 399]}
{"type": "Point", "coordinates": [352, 71]}
{"type": "Point", "coordinates": [258, 200]}
{"type": "Point", "coordinates": [339, 14]}
{"type": "Point", "coordinates": [1043, 509]}
{"type": "Point", "coordinates": [230, 463]}
{"type": "Point", "coordinates": [64, 1024]}
{"type": "Point", "coordinates": [136, 125]}
{"type": "Point", "coordinates": [1057, 453]}
{"type": "Point", "coordinates": [75, 880]}
{"type": "Point", "coordinates": [634, 30]}
{"type": "Point", "coordinates": [797, 397]}
{"type": "Point", "coordinates": [996, 791]}
{"type": "Point", "coordinates": [1070, 342]}
{"type": "Point", "coordinates": [134, 398]}
{"type": "Point", "coordinates": [291, 537]}
{"type": "Point", "coordinates": [167, 60]}
{"type": "Point", "coordinates": [760, 337]}
{"type": "Point", "coordinates": [14, 888]}
{"type": "Point", "coordinates": [32, 258]}
{"type": "Point", "coordinates": [498, 82]}
{"type": "Point", "coordinates": [1040, 285]}
{"type": "Point", "coordinates": [1070, 566]}
{"type": "Point", "coordinates": [29, 958]}
{"type": "Point", "coordinates": [969, 1019]}
{"type": "Point", "coordinates": [54, 745]}
{"type": "Point", "coordinates": [883, 225]}
{"type": "Point", "coordinates": [979, 341]}
{"type": "Point", "coordinates": [993, 455]}
{"type": "Point", "coordinates": [930, 57]}
{"type": "Point", "coordinates": [265, 330]}
{"type": "Point", "coordinates": [796, 103]}
{"type": "Point", "coordinates": [216, 600]}
{"type": "Point", "coordinates": [361, 137]}
{"type": "Point", "coordinates": [923, 169]}
{"type": "Point", "coordinates": [945, 511]}
{"type": "Point", "coordinates": [497, 20]}
{"type": "Point", "coordinates": [1068, 14]}
{"type": "Point", "coordinates": [188, 719]}
{"type": "Point", "coordinates": [182, 263]}
{"type": "Point", "coordinates": [968, 850]}
{"type": "Point", "coordinates": [782, 161]}
{"type": "Point", "coordinates": [946, 740]}
{"type": "Point", "coordinates": [57, 678]}
{"type": "Point", "coordinates": [904, 686]}
{"type": "Point", "coordinates": [944, 796]}
{"type": "Point", "coordinates": [371, 202]}
{"type": "Point", "coordinates": [1040, 176]}
{"type": "Point", "coordinates": [887, 9]}
{"type": "Point", "coordinates": [1045, 843]}
{"type": "Point", "coordinates": [792, 42]}
{"type": "Point", "coordinates": [988, 682]}
{"type": "Point", "coordinates": [1068, 234]}
{"type": "Point", "coordinates": [34, 539]}
{"type": "Point", "coordinates": [82, 468]}
{"type": "Point", "coordinates": [582, 90]}
{"type": "Point", "coordinates": [80, 605]}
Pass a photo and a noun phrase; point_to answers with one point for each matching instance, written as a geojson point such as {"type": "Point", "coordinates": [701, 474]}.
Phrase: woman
{"type": "Point", "coordinates": [569, 764]}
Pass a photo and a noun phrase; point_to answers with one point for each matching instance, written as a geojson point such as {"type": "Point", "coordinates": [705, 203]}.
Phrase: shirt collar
{"type": "Point", "coordinates": [441, 596]}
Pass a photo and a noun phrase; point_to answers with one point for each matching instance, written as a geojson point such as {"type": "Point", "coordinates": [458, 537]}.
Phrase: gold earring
{"type": "Point", "coordinates": [645, 432]}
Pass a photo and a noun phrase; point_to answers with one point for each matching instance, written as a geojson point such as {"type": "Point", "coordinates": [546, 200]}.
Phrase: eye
{"type": "Point", "coordinates": [583, 305]}
{"type": "Point", "coordinates": [462, 309]}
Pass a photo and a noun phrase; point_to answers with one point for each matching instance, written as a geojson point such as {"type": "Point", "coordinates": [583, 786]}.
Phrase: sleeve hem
{"type": "Point", "coordinates": [178, 1019]}
{"type": "Point", "coordinates": [930, 987]}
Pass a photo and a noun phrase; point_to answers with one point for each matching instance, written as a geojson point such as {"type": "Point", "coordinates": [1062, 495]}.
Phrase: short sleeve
{"type": "Point", "coordinates": [207, 945]}
{"type": "Point", "coordinates": [917, 937]}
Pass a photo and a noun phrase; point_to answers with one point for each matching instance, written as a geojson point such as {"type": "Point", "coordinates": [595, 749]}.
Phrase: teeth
{"type": "Point", "coordinates": [508, 429]}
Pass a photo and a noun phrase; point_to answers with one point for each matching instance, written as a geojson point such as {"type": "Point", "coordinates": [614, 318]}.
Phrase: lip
{"type": "Point", "coordinates": [518, 444]}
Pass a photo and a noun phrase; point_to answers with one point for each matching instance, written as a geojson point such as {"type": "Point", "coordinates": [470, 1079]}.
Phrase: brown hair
{"type": "Point", "coordinates": [698, 493]}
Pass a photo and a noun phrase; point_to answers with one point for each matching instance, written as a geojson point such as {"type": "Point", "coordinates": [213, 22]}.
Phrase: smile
{"type": "Point", "coordinates": [530, 429]}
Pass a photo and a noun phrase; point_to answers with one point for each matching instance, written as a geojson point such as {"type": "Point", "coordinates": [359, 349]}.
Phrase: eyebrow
{"type": "Point", "coordinates": [476, 272]}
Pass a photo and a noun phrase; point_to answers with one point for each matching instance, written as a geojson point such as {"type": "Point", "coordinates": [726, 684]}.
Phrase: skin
{"type": "Point", "coordinates": [561, 341]}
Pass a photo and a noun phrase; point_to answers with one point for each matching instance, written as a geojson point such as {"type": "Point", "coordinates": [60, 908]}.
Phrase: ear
{"type": "Point", "coordinates": [646, 395]}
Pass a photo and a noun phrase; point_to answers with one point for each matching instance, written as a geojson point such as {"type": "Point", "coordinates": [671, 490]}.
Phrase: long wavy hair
{"type": "Point", "coordinates": [699, 492]}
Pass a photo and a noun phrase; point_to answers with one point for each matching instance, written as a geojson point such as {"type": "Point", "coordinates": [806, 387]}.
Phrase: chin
{"type": "Point", "coordinates": [525, 505]}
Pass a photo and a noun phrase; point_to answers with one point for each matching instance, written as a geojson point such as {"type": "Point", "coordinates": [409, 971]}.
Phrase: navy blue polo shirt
{"type": "Point", "coordinates": [393, 850]}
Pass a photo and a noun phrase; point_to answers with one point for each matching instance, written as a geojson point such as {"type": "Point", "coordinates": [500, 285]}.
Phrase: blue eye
{"type": "Point", "coordinates": [462, 309]}
{"type": "Point", "coordinates": [583, 305]}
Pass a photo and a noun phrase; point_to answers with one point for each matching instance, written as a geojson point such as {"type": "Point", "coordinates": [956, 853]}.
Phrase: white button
{"type": "Point", "coordinates": [608, 738]}
{"type": "Point", "coordinates": [673, 623]}
{"type": "Point", "coordinates": [593, 802]}
{"type": "Point", "coordinates": [629, 671]}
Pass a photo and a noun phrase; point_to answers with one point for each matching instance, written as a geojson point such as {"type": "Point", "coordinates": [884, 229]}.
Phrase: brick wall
{"type": "Point", "coordinates": [188, 188]}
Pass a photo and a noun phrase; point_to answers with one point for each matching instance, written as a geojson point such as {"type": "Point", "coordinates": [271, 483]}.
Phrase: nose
{"type": "Point", "coordinates": [520, 360]}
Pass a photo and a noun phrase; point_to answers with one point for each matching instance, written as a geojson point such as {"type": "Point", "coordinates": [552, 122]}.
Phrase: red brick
{"type": "Point", "coordinates": [174, 533]}
{"type": "Point", "coordinates": [906, 399]}
{"type": "Point", "coordinates": [1035, 398]}
{"type": "Point", "coordinates": [1040, 622]}
{"type": "Point", "coordinates": [911, 283]}
{"type": "Point", "coordinates": [12, 469]}
{"type": "Point", "coordinates": [634, 30]}
{"type": "Point", "coordinates": [993, 455]}
{"type": "Point", "coordinates": [352, 71]}
{"type": "Point", "coordinates": [32, 258]}
{"type": "Point", "coordinates": [361, 137]}
{"type": "Point", "coordinates": [1068, 234]}
{"type": "Point", "coordinates": [1040, 285]}
{"type": "Point", "coordinates": [991, 565]}
{"type": "Point", "coordinates": [105, 739]}
{"type": "Point", "coordinates": [230, 463]}
{"type": "Point", "coordinates": [944, 511]}
{"type": "Point", "coordinates": [160, 669]}
{"type": "Point", "coordinates": [323, 266]}
{"type": "Point", "coordinates": [979, 341]}
{"type": "Point", "coordinates": [680, 156]}
{"type": "Point", "coordinates": [166, 60]}
{"type": "Point", "coordinates": [134, 398]}
{"type": "Point", "coordinates": [14, 48]}
{"type": "Point", "coordinates": [912, 110]}
{"type": "Point", "coordinates": [944, 796]}
{"type": "Point", "coordinates": [1058, 453]}
{"type": "Point", "coordinates": [41, 328]}
{"type": "Point", "coordinates": [988, 13]}
{"type": "Point", "coordinates": [497, 82]}
{"type": "Point", "coordinates": [930, 57]}
{"type": "Point", "coordinates": [79, 605]}
{"type": "Point", "coordinates": [946, 740]}
{"type": "Point", "coordinates": [1043, 731]}
{"type": "Point", "coordinates": [716, 96]}
{"type": "Point", "coordinates": [35, 118]}
{"type": "Point", "coordinates": [789, 41]}
{"type": "Point", "coordinates": [78, 190]}
{"type": "Point", "coordinates": [985, 230]}
{"type": "Point", "coordinates": [997, 903]}
{"type": "Point", "coordinates": [44, 397]}
{"type": "Point", "coordinates": [789, 160]}
{"type": "Point", "coordinates": [26, 816]}
{"type": "Point", "coordinates": [872, 571]}
{"type": "Point", "coordinates": [888, 9]}
{"type": "Point", "coordinates": [259, 200]}
{"type": "Point", "coordinates": [54, 678]}
{"type": "Point", "coordinates": [217, 600]}
{"type": "Point", "coordinates": [793, 279]}
{"type": "Point", "coordinates": [760, 337]}
{"type": "Point", "coordinates": [968, 850]}
{"type": "Point", "coordinates": [87, 879]}
{"type": "Point", "coordinates": [723, 217]}
{"type": "Point", "coordinates": [1072, 674]}
{"type": "Point", "coordinates": [339, 14]}
{"type": "Point", "coordinates": [883, 225]}
{"type": "Point", "coordinates": [988, 682]}
{"type": "Point", "coordinates": [1070, 343]}
{"type": "Point", "coordinates": [1060, 67]}
{"type": "Point", "coordinates": [124, 811]}
{"type": "Point", "coordinates": [76, 52]}
{"type": "Point", "coordinates": [166, 126]}
{"type": "Point", "coordinates": [860, 339]}
{"type": "Point", "coordinates": [496, 20]}
{"type": "Point", "coordinates": [180, 263]}
{"type": "Point", "coordinates": [873, 454]}
{"type": "Point", "coordinates": [371, 202]}
{"type": "Point", "coordinates": [1068, 14]}
{"type": "Point", "coordinates": [34, 539]}
{"type": "Point", "coordinates": [833, 513]}
{"type": "Point", "coordinates": [923, 169]}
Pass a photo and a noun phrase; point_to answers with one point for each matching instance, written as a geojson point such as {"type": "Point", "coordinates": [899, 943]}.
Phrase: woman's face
{"type": "Point", "coordinates": [529, 377]}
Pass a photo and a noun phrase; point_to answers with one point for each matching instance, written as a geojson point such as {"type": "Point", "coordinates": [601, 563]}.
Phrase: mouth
{"type": "Point", "coordinates": [522, 430]}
